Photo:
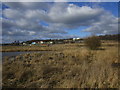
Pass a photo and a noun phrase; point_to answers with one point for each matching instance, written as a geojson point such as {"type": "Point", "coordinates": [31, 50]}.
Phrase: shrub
{"type": "Point", "coordinates": [93, 42]}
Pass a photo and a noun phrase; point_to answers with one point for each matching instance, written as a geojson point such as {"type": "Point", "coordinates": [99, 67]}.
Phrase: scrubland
{"type": "Point", "coordinates": [24, 48]}
{"type": "Point", "coordinates": [53, 47]}
{"type": "Point", "coordinates": [68, 66]}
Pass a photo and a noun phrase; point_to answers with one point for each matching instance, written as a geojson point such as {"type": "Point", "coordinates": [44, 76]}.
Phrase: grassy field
{"type": "Point", "coordinates": [54, 47]}
{"type": "Point", "coordinates": [39, 48]}
{"type": "Point", "coordinates": [24, 48]}
{"type": "Point", "coordinates": [70, 66]}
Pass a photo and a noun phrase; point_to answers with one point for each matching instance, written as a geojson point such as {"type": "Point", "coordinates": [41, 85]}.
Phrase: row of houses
{"type": "Point", "coordinates": [54, 41]}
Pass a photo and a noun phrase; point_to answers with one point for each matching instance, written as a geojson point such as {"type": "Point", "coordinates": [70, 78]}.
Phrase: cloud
{"type": "Point", "coordinates": [28, 5]}
{"type": "Point", "coordinates": [72, 14]}
{"type": "Point", "coordinates": [108, 24]}
{"type": "Point", "coordinates": [12, 13]}
{"type": "Point", "coordinates": [22, 20]}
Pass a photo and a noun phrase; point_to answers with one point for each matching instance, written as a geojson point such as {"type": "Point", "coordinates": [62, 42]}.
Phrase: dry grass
{"type": "Point", "coordinates": [57, 47]}
{"type": "Point", "coordinates": [24, 48]}
{"type": "Point", "coordinates": [0, 74]}
{"type": "Point", "coordinates": [73, 67]}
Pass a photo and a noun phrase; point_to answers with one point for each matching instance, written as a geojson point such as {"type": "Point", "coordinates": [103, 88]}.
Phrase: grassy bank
{"type": "Point", "coordinates": [39, 48]}
{"type": "Point", "coordinates": [69, 67]}
{"type": "Point", "coordinates": [24, 48]}
{"type": "Point", "coordinates": [55, 47]}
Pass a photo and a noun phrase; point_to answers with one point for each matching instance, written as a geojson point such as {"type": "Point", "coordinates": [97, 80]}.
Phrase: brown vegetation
{"type": "Point", "coordinates": [24, 48]}
{"type": "Point", "coordinates": [93, 42]}
{"type": "Point", "coordinates": [54, 47]}
{"type": "Point", "coordinates": [73, 67]}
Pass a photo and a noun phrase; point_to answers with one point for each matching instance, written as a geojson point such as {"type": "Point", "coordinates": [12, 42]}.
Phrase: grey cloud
{"type": "Point", "coordinates": [72, 15]}
{"type": "Point", "coordinates": [23, 19]}
{"type": "Point", "coordinates": [28, 5]}
{"type": "Point", "coordinates": [108, 24]}
{"type": "Point", "coordinates": [12, 14]}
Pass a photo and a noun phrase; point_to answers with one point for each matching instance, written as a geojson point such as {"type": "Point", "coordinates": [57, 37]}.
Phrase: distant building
{"type": "Point", "coordinates": [33, 43]}
{"type": "Point", "coordinates": [24, 43]}
{"type": "Point", "coordinates": [51, 42]}
{"type": "Point", "coordinates": [41, 42]}
{"type": "Point", "coordinates": [75, 39]}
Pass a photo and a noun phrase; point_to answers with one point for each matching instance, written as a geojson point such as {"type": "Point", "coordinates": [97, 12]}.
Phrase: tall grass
{"type": "Point", "coordinates": [68, 68]}
{"type": "Point", "coordinates": [24, 48]}
{"type": "Point", "coordinates": [53, 47]}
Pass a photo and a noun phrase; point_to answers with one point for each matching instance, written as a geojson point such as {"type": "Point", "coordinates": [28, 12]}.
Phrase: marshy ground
{"type": "Point", "coordinates": [68, 66]}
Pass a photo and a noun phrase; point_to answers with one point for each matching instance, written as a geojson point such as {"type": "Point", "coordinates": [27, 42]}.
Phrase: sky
{"type": "Point", "coordinates": [47, 20]}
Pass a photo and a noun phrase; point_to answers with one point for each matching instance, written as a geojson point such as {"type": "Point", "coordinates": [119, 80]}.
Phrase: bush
{"type": "Point", "coordinates": [93, 42]}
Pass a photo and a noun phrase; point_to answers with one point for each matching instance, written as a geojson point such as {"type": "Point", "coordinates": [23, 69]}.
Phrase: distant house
{"type": "Point", "coordinates": [78, 40]}
{"type": "Point", "coordinates": [41, 42]}
{"type": "Point", "coordinates": [74, 39]}
{"type": "Point", "coordinates": [51, 42]}
{"type": "Point", "coordinates": [33, 43]}
{"type": "Point", "coordinates": [24, 43]}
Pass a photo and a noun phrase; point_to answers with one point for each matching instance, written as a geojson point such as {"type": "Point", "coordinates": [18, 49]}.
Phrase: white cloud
{"type": "Point", "coordinates": [108, 24]}
{"type": "Point", "coordinates": [12, 13]}
{"type": "Point", "coordinates": [23, 19]}
{"type": "Point", "coordinates": [72, 14]}
{"type": "Point", "coordinates": [28, 5]}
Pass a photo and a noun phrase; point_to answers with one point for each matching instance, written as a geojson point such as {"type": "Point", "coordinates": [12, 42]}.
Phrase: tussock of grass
{"type": "Point", "coordinates": [68, 68]}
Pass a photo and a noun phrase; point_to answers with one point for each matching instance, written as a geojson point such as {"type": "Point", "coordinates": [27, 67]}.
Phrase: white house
{"type": "Point", "coordinates": [33, 43]}
{"type": "Point", "coordinates": [51, 42]}
{"type": "Point", "coordinates": [75, 39]}
{"type": "Point", "coordinates": [41, 42]}
{"type": "Point", "coordinates": [24, 44]}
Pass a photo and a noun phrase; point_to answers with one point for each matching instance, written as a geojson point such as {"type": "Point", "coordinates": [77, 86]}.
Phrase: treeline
{"type": "Point", "coordinates": [53, 40]}
{"type": "Point", "coordinates": [30, 41]}
{"type": "Point", "coordinates": [115, 37]}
